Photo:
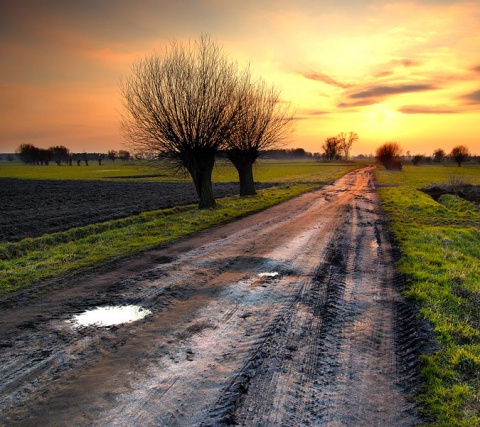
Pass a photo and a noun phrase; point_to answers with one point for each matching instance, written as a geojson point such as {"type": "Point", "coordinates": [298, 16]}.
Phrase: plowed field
{"type": "Point", "coordinates": [31, 208]}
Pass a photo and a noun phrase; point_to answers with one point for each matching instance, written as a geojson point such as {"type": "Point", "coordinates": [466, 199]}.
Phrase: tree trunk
{"type": "Point", "coordinates": [200, 166]}
{"type": "Point", "coordinates": [243, 161]}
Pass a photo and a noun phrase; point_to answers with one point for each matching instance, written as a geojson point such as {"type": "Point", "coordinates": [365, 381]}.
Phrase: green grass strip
{"type": "Point", "coordinates": [440, 247]}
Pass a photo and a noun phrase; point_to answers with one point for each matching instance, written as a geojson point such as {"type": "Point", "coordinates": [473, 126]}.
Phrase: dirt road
{"type": "Point", "coordinates": [290, 317]}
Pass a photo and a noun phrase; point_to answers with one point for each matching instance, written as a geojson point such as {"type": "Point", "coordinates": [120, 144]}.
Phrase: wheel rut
{"type": "Point", "coordinates": [289, 317]}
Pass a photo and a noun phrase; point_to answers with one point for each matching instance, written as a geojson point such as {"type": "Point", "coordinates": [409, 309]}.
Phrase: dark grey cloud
{"type": "Point", "coordinates": [382, 91]}
{"type": "Point", "coordinates": [477, 68]}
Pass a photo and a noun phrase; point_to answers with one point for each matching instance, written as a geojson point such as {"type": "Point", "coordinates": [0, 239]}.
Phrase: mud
{"type": "Point", "coordinates": [290, 317]}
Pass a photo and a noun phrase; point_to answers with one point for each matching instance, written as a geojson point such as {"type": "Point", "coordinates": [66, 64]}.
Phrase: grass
{"type": "Point", "coordinates": [440, 256]}
{"type": "Point", "coordinates": [61, 254]}
{"type": "Point", "coordinates": [264, 171]}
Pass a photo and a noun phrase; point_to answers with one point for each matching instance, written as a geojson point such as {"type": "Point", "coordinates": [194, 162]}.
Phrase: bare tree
{"type": "Point", "coordinates": [264, 122]}
{"type": "Point", "coordinates": [347, 142]}
{"type": "Point", "coordinates": [28, 153]}
{"type": "Point", "coordinates": [332, 148]}
{"type": "Point", "coordinates": [388, 154]}
{"type": "Point", "coordinates": [182, 104]}
{"type": "Point", "coordinates": [341, 141]}
{"type": "Point", "coordinates": [112, 155]}
{"type": "Point", "coordinates": [59, 154]}
{"type": "Point", "coordinates": [459, 154]}
{"type": "Point", "coordinates": [438, 155]}
{"type": "Point", "coordinates": [124, 155]}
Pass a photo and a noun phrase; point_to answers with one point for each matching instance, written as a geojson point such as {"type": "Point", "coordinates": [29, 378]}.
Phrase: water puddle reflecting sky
{"type": "Point", "coordinates": [110, 316]}
{"type": "Point", "coordinates": [270, 274]}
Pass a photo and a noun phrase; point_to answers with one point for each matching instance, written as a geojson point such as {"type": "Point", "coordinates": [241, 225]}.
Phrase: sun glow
{"type": "Point", "coordinates": [403, 70]}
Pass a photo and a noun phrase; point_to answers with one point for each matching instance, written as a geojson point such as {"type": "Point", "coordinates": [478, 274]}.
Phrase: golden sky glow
{"type": "Point", "coordinates": [390, 70]}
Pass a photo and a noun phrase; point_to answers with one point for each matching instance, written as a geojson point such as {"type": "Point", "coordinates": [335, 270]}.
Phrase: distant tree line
{"type": "Point", "coordinates": [59, 154]}
{"type": "Point", "coordinates": [390, 155]}
{"type": "Point", "coordinates": [459, 155]}
{"type": "Point", "coordinates": [290, 153]}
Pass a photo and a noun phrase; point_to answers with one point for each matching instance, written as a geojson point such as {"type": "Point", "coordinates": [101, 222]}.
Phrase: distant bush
{"type": "Point", "coordinates": [388, 154]}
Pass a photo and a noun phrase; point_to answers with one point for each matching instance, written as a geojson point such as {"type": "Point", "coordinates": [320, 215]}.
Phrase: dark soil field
{"type": "Point", "coordinates": [31, 208]}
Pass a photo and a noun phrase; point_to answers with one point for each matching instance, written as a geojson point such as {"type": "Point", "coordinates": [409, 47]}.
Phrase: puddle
{"type": "Point", "coordinates": [271, 274]}
{"type": "Point", "coordinates": [110, 315]}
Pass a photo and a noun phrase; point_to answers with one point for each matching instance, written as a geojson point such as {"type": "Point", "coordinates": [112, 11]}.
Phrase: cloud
{"type": "Point", "coordinates": [407, 63]}
{"type": "Point", "coordinates": [362, 103]}
{"type": "Point", "coordinates": [320, 77]}
{"type": "Point", "coordinates": [382, 91]}
{"type": "Point", "coordinates": [317, 112]}
{"type": "Point", "coordinates": [427, 110]}
{"type": "Point", "coordinates": [477, 69]}
{"type": "Point", "coordinates": [384, 74]}
{"type": "Point", "coordinates": [472, 98]}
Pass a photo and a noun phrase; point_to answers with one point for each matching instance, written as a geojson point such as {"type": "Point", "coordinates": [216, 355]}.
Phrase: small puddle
{"type": "Point", "coordinates": [270, 274]}
{"type": "Point", "coordinates": [110, 316]}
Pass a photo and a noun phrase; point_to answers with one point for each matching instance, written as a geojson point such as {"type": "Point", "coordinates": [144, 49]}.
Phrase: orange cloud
{"type": "Point", "coordinates": [324, 78]}
{"type": "Point", "coordinates": [428, 110]}
{"type": "Point", "coordinates": [472, 98]}
{"type": "Point", "coordinates": [383, 91]}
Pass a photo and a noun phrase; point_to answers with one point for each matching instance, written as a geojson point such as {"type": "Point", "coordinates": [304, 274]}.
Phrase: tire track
{"type": "Point", "coordinates": [325, 349]}
{"type": "Point", "coordinates": [322, 339]}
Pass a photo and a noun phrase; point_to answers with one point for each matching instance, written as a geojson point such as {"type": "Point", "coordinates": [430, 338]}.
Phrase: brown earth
{"type": "Point", "coordinates": [324, 338]}
{"type": "Point", "coordinates": [31, 208]}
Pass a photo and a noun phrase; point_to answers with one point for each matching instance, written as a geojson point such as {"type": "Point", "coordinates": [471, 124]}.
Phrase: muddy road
{"type": "Point", "coordinates": [290, 317]}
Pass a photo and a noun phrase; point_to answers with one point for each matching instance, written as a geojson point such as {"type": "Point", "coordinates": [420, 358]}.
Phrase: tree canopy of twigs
{"type": "Point", "coordinates": [332, 148]}
{"type": "Point", "coordinates": [459, 154]}
{"type": "Point", "coordinates": [335, 145]}
{"type": "Point", "coordinates": [347, 142]}
{"type": "Point", "coordinates": [183, 104]}
{"type": "Point", "coordinates": [388, 154]}
{"type": "Point", "coordinates": [265, 122]}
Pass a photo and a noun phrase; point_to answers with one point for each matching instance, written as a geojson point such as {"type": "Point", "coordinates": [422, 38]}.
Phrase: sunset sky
{"type": "Point", "coordinates": [407, 71]}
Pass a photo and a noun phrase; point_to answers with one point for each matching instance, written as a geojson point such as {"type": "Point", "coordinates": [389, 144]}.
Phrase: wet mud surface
{"type": "Point", "coordinates": [290, 317]}
{"type": "Point", "coordinates": [31, 208]}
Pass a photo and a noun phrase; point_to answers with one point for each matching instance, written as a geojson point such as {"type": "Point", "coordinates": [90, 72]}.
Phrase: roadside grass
{"type": "Point", "coordinates": [440, 256]}
{"type": "Point", "coordinates": [58, 255]}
